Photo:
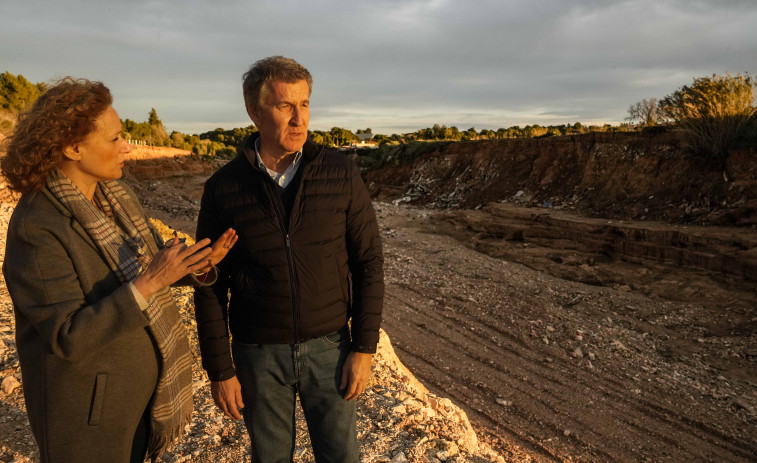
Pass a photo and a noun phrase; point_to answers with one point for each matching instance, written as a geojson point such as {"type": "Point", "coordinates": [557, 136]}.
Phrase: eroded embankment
{"type": "Point", "coordinates": [622, 175]}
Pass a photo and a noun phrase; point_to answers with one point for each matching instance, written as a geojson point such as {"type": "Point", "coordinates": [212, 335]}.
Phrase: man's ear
{"type": "Point", "coordinates": [72, 153]}
{"type": "Point", "coordinates": [253, 113]}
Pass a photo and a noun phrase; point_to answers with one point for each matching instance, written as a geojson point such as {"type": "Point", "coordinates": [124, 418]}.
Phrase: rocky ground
{"type": "Point", "coordinates": [399, 419]}
{"type": "Point", "coordinates": [567, 370]}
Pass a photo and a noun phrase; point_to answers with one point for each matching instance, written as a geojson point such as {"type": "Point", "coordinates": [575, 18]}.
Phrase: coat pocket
{"type": "Point", "coordinates": [98, 398]}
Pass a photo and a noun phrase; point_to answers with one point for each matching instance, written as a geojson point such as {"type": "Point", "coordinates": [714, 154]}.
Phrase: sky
{"type": "Point", "coordinates": [395, 66]}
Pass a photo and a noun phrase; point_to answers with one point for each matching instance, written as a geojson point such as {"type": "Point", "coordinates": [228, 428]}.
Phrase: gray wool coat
{"type": "Point", "coordinates": [88, 363]}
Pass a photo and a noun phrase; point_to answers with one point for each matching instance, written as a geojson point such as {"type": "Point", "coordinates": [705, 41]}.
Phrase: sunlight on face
{"type": "Point", "coordinates": [283, 117]}
{"type": "Point", "coordinates": [100, 156]}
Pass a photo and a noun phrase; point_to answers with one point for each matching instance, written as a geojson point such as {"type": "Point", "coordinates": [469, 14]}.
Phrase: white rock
{"type": "Point", "coordinates": [399, 458]}
{"type": "Point", "coordinates": [503, 402]}
{"type": "Point", "coordinates": [9, 384]}
{"type": "Point", "coordinates": [399, 410]}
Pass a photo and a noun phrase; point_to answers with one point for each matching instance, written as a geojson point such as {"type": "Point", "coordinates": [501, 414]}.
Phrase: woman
{"type": "Point", "coordinates": [104, 357]}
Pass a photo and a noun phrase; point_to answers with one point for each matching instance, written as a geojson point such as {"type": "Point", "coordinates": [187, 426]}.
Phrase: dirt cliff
{"type": "Point", "coordinates": [611, 175]}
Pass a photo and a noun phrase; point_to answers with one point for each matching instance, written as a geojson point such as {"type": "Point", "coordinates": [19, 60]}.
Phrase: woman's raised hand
{"type": "Point", "coordinates": [172, 263]}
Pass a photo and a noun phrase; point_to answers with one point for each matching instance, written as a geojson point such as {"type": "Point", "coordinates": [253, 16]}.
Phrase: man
{"type": "Point", "coordinates": [308, 259]}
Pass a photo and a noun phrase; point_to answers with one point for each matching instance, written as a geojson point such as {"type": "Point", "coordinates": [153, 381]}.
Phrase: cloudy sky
{"type": "Point", "coordinates": [392, 65]}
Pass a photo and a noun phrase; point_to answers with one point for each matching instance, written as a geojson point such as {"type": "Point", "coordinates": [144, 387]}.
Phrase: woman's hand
{"type": "Point", "coordinates": [172, 263]}
{"type": "Point", "coordinates": [220, 248]}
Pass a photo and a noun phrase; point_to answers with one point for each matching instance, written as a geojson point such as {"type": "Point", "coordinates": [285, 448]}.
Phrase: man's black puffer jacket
{"type": "Point", "coordinates": [290, 282]}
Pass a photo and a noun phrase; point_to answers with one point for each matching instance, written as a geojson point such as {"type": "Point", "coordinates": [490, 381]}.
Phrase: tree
{"type": "Point", "coordinates": [645, 111]}
{"type": "Point", "coordinates": [487, 134]}
{"type": "Point", "coordinates": [470, 134]}
{"type": "Point", "coordinates": [16, 93]}
{"type": "Point", "coordinates": [153, 118]}
{"type": "Point", "coordinates": [712, 112]}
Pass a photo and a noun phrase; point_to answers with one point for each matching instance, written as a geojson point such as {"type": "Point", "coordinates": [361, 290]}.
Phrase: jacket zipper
{"type": "Point", "coordinates": [295, 293]}
{"type": "Point", "coordinates": [279, 208]}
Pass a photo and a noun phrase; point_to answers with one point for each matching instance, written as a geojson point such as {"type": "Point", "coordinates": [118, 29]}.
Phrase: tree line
{"type": "Point", "coordinates": [711, 114]}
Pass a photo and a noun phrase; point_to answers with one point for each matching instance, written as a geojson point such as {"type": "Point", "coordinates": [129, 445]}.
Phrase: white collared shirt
{"type": "Point", "coordinates": [282, 179]}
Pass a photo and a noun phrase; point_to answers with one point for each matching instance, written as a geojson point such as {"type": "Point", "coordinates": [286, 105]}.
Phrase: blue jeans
{"type": "Point", "coordinates": [272, 374]}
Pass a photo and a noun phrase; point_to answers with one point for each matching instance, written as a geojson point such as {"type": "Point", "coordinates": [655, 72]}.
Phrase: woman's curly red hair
{"type": "Point", "coordinates": [61, 117]}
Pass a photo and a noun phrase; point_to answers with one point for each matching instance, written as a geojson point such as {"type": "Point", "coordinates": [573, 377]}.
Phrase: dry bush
{"type": "Point", "coordinates": [712, 112]}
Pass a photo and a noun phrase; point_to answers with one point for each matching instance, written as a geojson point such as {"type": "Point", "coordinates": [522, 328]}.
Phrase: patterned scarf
{"type": "Point", "coordinates": [123, 237]}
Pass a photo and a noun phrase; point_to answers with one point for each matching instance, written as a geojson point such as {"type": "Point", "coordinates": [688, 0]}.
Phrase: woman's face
{"type": "Point", "coordinates": [101, 155]}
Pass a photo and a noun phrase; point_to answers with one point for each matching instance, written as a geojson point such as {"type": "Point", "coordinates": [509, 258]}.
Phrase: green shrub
{"type": "Point", "coordinates": [712, 112]}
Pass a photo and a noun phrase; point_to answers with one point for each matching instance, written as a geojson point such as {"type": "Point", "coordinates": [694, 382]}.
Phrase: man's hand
{"type": "Point", "coordinates": [355, 374]}
{"type": "Point", "coordinates": [228, 397]}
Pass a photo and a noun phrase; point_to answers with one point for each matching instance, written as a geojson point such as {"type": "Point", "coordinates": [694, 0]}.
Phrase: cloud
{"type": "Point", "coordinates": [386, 64]}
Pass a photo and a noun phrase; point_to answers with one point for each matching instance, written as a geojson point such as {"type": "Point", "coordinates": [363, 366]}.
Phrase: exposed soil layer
{"type": "Point", "coordinates": [620, 176]}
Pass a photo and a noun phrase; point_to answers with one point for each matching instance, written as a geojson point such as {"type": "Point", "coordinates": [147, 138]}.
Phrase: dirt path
{"type": "Point", "coordinates": [572, 371]}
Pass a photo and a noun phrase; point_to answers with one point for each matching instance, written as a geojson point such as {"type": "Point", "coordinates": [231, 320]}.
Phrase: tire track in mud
{"type": "Point", "coordinates": [555, 378]}
{"type": "Point", "coordinates": [442, 315]}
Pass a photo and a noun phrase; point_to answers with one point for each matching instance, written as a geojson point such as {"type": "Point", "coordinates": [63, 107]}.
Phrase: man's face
{"type": "Point", "coordinates": [282, 117]}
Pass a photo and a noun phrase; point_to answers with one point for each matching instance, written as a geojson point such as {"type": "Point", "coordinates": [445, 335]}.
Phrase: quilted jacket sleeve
{"type": "Point", "coordinates": [366, 262]}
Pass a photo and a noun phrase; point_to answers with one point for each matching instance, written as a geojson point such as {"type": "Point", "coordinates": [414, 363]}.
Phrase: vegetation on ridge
{"type": "Point", "coordinates": [711, 114]}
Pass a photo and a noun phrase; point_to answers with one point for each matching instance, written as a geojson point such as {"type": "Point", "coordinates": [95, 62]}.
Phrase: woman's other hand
{"type": "Point", "coordinates": [222, 246]}
{"type": "Point", "coordinates": [172, 263]}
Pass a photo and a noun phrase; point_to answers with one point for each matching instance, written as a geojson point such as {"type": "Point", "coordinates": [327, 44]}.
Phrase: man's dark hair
{"type": "Point", "coordinates": [268, 69]}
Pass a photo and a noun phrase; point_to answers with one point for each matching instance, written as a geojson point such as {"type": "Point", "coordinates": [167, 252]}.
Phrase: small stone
{"type": "Point", "coordinates": [624, 288]}
{"type": "Point", "coordinates": [619, 345]}
{"type": "Point", "coordinates": [399, 458]}
{"type": "Point", "coordinates": [578, 353]}
{"type": "Point", "coordinates": [566, 433]}
{"type": "Point", "coordinates": [592, 356]}
{"type": "Point", "coordinates": [503, 402]}
{"type": "Point", "coordinates": [399, 410]}
{"type": "Point", "coordinates": [550, 328]}
{"type": "Point", "coordinates": [9, 384]}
